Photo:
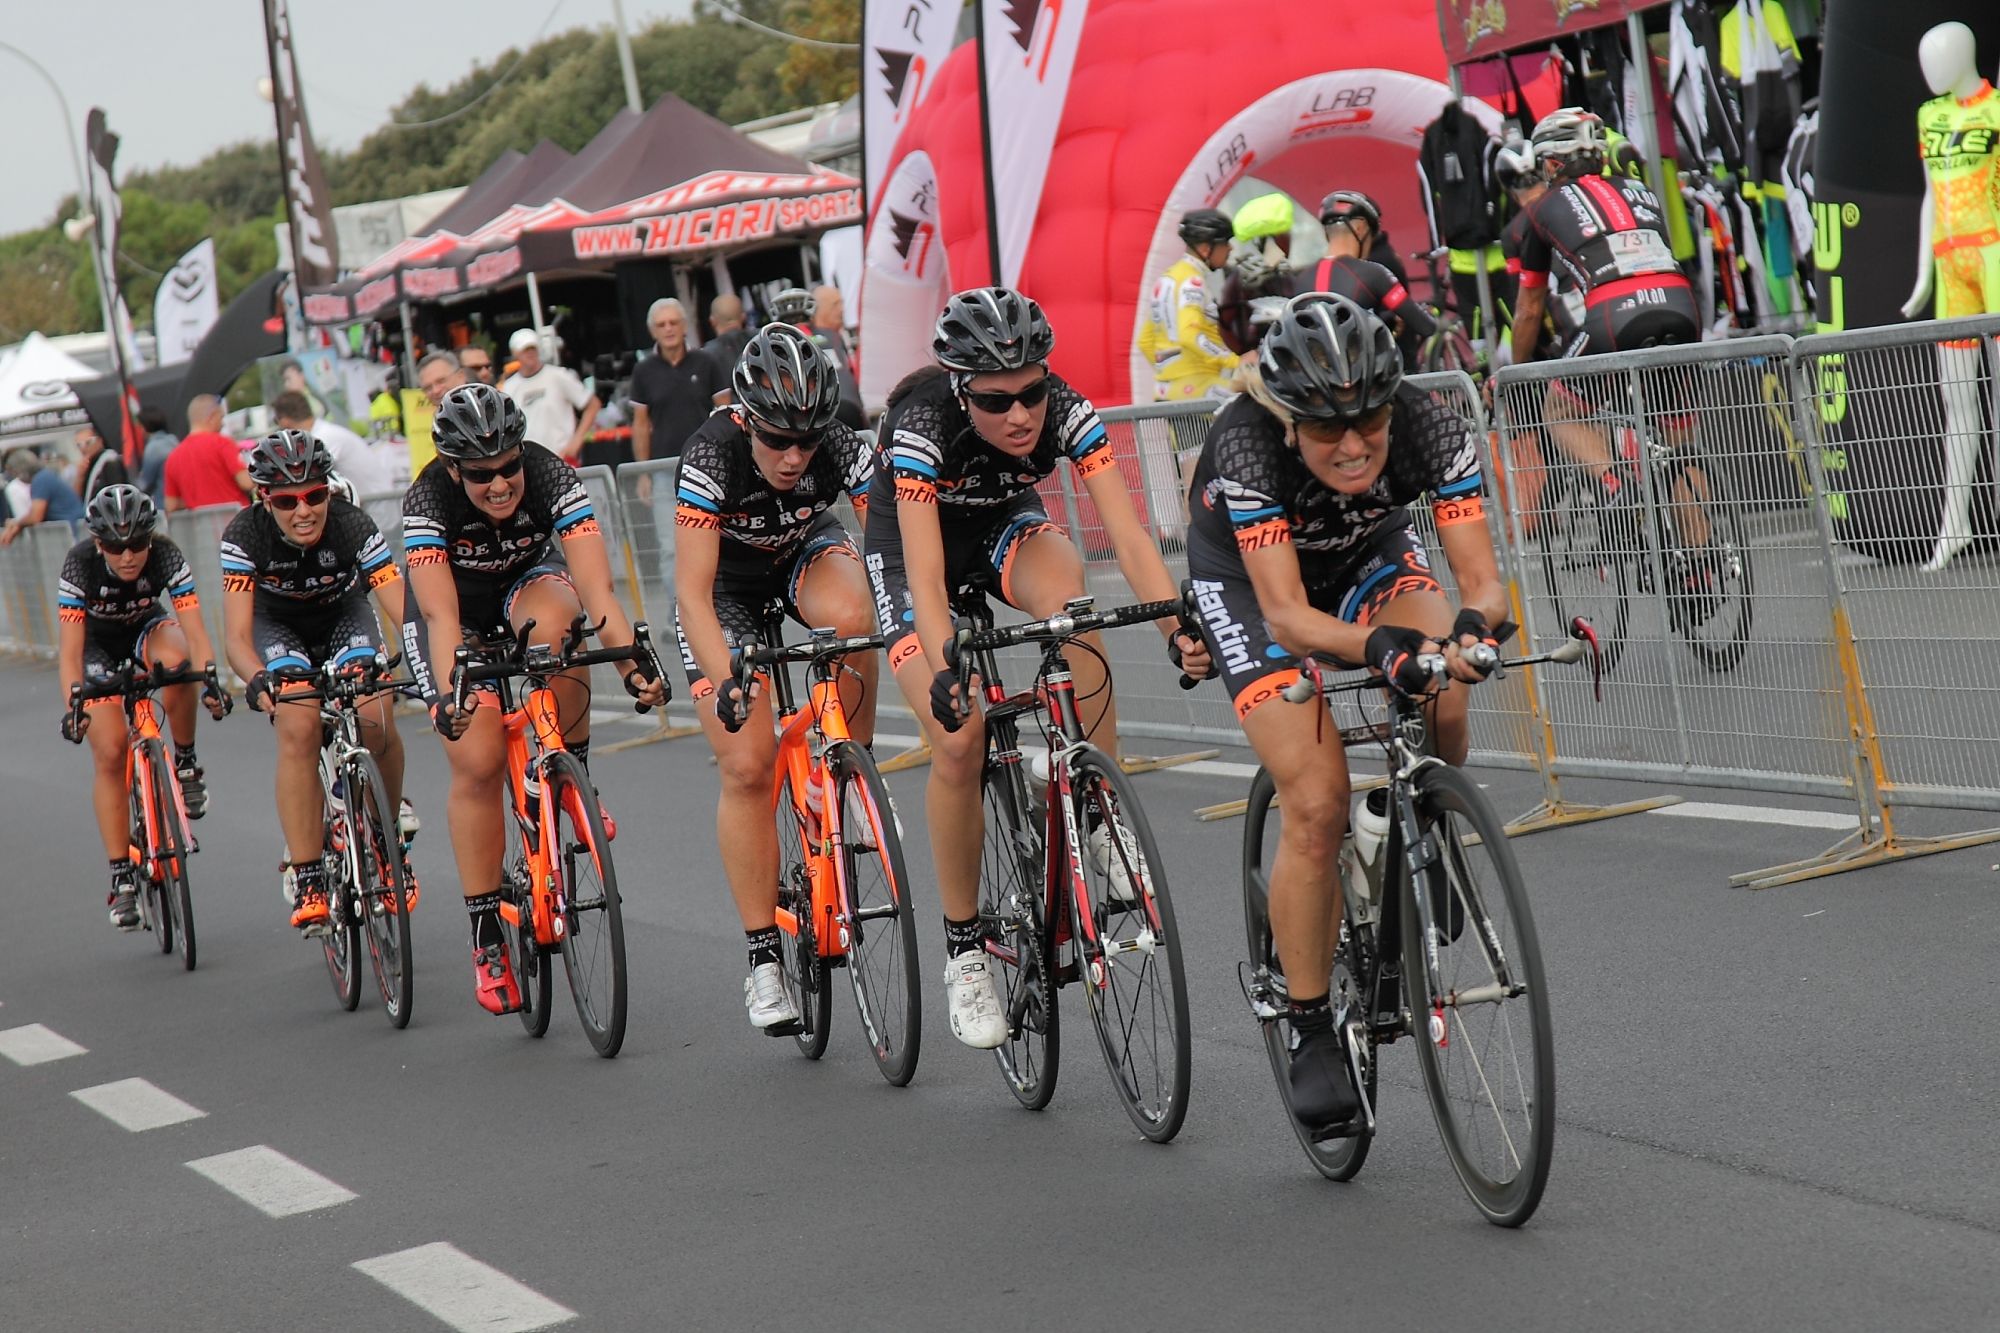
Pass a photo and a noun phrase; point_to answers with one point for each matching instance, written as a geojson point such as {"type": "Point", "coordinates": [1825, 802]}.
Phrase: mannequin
{"type": "Point", "coordinates": [1959, 235]}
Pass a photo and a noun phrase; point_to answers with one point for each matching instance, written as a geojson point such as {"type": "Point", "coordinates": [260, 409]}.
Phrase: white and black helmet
{"type": "Point", "coordinates": [794, 305]}
{"type": "Point", "coordinates": [989, 329]}
{"type": "Point", "coordinates": [1569, 138]}
{"type": "Point", "coordinates": [1327, 357]}
{"type": "Point", "coordinates": [288, 458]}
{"type": "Point", "coordinates": [477, 421]}
{"type": "Point", "coordinates": [121, 513]}
{"type": "Point", "coordinates": [785, 380]}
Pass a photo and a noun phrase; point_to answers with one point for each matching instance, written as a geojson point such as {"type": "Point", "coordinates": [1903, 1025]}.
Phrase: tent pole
{"type": "Point", "coordinates": [1642, 69]}
{"type": "Point", "coordinates": [535, 310]}
{"type": "Point", "coordinates": [409, 343]}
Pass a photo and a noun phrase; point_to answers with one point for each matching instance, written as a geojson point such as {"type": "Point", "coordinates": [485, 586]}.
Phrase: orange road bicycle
{"type": "Point", "coordinates": [366, 876]}
{"type": "Point", "coordinates": [1072, 887]}
{"type": "Point", "coordinates": [161, 840]}
{"type": "Point", "coordinates": [843, 896]}
{"type": "Point", "coordinates": [558, 889]}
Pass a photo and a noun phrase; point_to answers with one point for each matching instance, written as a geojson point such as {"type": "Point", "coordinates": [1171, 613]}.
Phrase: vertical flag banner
{"type": "Point", "coordinates": [903, 44]}
{"type": "Point", "coordinates": [308, 203]}
{"type": "Point", "coordinates": [101, 146]}
{"type": "Point", "coordinates": [1027, 52]}
{"type": "Point", "coordinates": [185, 307]}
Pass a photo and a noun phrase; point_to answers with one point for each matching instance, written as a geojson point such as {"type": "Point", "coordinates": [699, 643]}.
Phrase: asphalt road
{"type": "Point", "coordinates": [1775, 1109]}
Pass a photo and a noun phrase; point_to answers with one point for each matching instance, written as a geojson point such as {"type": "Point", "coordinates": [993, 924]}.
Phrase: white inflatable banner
{"type": "Point", "coordinates": [903, 45]}
{"type": "Point", "coordinates": [1027, 53]}
{"type": "Point", "coordinates": [905, 278]}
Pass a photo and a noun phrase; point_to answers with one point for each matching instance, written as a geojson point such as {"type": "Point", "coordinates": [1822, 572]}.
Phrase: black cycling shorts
{"type": "Point", "coordinates": [108, 645]}
{"type": "Point", "coordinates": [334, 635]}
{"type": "Point", "coordinates": [1644, 317]}
{"type": "Point", "coordinates": [486, 602]}
{"type": "Point", "coordinates": [743, 593]}
{"type": "Point", "coordinates": [1253, 666]}
{"type": "Point", "coordinates": [978, 552]}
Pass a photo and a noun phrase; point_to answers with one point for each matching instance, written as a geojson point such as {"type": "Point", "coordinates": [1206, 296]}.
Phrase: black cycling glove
{"type": "Point", "coordinates": [1395, 652]}
{"type": "Point", "coordinates": [1472, 621]}
{"type": "Point", "coordinates": [732, 706]}
{"type": "Point", "coordinates": [444, 718]}
{"type": "Point", "coordinates": [942, 707]}
{"type": "Point", "coordinates": [218, 700]}
{"type": "Point", "coordinates": [74, 725]}
{"type": "Point", "coordinates": [259, 693]}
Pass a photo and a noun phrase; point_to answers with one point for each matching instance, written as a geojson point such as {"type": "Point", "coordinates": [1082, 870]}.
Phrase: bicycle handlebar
{"type": "Point", "coordinates": [1075, 618]}
{"type": "Point", "coordinates": [1482, 656]}
{"type": "Point", "coordinates": [746, 657]}
{"type": "Point", "coordinates": [351, 684]}
{"type": "Point", "coordinates": [515, 656]}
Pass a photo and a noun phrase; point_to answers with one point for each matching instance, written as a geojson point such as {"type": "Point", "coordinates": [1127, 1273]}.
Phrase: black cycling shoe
{"type": "Point", "coordinates": [194, 790]}
{"type": "Point", "coordinates": [1322, 1085]}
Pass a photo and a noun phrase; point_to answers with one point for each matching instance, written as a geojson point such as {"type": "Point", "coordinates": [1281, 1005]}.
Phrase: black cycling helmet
{"type": "Point", "coordinates": [288, 458]}
{"type": "Point", "coordinates": [1346, 205]}
{"type": "Point", "coordinates": [1327, 357]}
{"type": "Point", "coordinates": [477, 421]}
{"type": "Point", "coordinates": [784, 380]}
{"type": "Point", "coordinates": [988, 329]}
{"type": "Point", "coordinates": [1206, 226]}
{"type": "Point", "coordinates": [794, 305]}
{"type": "Point", "coordinates": [121, 513]}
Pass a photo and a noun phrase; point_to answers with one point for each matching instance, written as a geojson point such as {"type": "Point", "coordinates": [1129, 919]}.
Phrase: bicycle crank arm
{"type": "Point", "coordinates": [1266, 998]}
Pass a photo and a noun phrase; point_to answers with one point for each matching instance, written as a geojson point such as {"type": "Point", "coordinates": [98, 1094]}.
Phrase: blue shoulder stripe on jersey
{"type": "Point", "coordinates": [419, 539]}
{"type": "Point", "coordinates": [181, 589]}
{"type": "Point", "coordinates": [904, 463]}
{"type": "Point", "coordinates": [686, 496]}
{"type": "Point", "coordinates": [1271, 511]}
{"type": "Point", "coordinates": [72, 603]}
{"type": "Point", "coordinates": [370, 564]}
{"type": "Point", "coordinates": [1091, 439]}
{"type": "Point", "coordinates": [1463, 486]}
{"type": "Point", "coordinates": [568, 521]}
{"type": "Point", "coordinates": [236, 566]}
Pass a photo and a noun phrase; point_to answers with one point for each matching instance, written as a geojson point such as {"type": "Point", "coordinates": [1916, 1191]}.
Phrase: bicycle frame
{"type": "Point", "coordinates": [533, 731]}
{"type": "Point", "coordinates": [823, 715]}
{"type": "Point", "coordinates": [142, 717]}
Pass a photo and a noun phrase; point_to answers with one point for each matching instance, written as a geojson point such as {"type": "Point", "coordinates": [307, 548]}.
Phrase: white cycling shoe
{"type": "Point", "coordinates": [764, 996]}
{"type": "Point", "coordinates": [1124, 876]}
{"type": "Point", "coordinates": [977, 1018]}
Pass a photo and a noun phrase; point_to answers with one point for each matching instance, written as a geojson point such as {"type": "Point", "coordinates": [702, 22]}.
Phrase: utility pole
{"type": "Point", "coordinates": [625, 64]}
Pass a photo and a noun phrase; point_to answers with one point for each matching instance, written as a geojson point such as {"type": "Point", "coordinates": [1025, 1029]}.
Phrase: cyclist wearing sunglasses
{"type": "Point", "coordinates": [297, 569]}
{"type": "Point", "coordinates": [499, 531]}
{"type": "Point", "coordinates": [954, 503]}
{"type": "Point", "coordinates": [108, 603]}
{"type": "Point", "coordinates": [754, 522]}
{"type": "Point", "coordinates": [1300, 543]}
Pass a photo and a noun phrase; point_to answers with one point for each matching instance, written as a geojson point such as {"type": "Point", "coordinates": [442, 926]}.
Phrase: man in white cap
{"type": "Point", "coordinates": [561, 412]}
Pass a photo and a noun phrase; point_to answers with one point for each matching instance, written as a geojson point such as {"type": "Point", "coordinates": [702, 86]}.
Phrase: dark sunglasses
{"type": "Point", "coordinates": [480, 476]}
{"type": "Point", "coordinates": [472, 368]}
{"type": "Point", "coordinates": [133, 547]}
{"type": "Point", "coordinates": [1333, 429]}
{"type": "Point", "coordinates": [998, 404]}
{"type": "Point", "coordinates": [781, 440]}
{"type": "Point", "coordinates": [286, 501]}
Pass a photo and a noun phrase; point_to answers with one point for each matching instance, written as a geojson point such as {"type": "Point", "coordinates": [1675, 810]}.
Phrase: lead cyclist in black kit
{"type": "Point", "coordinates": [1299, 544]}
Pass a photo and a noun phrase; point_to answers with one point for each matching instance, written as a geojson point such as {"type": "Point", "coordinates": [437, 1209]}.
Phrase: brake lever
{"type": "Point", "coordinates": [1580, 628]}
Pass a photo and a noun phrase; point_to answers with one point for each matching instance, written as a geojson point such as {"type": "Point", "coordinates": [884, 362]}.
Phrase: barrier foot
{"type": "Point", "coordinates": [915, 757]}
{"type": "Point", "coordinates": [1561, 814]}
{"type": "Point", "coordinates": [1857, 851]}
{"type": "Point", "coordinates": [1139, 763]}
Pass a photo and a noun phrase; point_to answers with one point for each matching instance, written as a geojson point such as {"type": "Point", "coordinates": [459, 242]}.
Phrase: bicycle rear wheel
{"type": "Point", "coordinates": [807, 979]}
{"type": "Point", "coordinates": [1714, 613]}
{"type": "Point", "coordinates": [534, 971]}
{"type": "Point", "coordinates": [378, 867]}
{"type": "Point", "coordinates": [1130, 950]}
{"type": "Point", "coordinates": [173, 909]}
{"type": "Point", "coordinates": [592, 915]}
{"type": "Point", "coordinates": [1586, 548]}
{"type": "Point", "coordinates": [1334, 1158]}
{"type": "Point", "coordinates": [1483, 1035]}
{"type": "Point", "coordinates": [878, 919]}
{"type": "Point", "coordinates": [1010, 910]}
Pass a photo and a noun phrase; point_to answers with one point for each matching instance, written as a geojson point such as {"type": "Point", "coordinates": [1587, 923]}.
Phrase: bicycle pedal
{"type": "Point", "coordinates": [790, 1027]}
{"type": "Point", "coordinates": [1347, 1129]}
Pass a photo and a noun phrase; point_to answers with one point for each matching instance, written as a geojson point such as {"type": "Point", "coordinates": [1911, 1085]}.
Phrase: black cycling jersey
{"type": "Point", "coordinates": [934, 456]}
{"type": "Point", "coordinates": [720, 489]}
{"type": "Point", "coordinates": [88, 593]}
{"type": "Point", "coordinates": [1375, 288]}
{"type": "Point", "coordinates": [440, 522]}
{"type": "Point", "coordinates": [349, 556]}
{"type": "Point", "coordinates": [1251, 489]}
{"type": "Point", "coordinates": [1604, 235]}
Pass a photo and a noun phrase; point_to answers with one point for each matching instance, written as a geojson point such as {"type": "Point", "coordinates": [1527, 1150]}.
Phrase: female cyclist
{"type": "Point", "coordinates": [754, 524]}
{"type": "Point", "coordinates": [498, 531]}
{"type": "Point", "coordinates": [964, 444]}
{"type": "Point", "coordinates": [1300, 543]}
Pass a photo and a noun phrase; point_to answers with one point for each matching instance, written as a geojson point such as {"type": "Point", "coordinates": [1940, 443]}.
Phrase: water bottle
{"type": "Point", "coordinates": [1370, 825]}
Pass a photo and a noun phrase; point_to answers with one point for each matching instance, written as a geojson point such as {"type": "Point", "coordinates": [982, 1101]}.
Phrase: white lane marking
{"type": "Point", "coordinates": [1758, 814]}
{"type": "Point", "coordinates": [451, 1285]}
{"type": "Point", "coordinates": [37, 1045]}
{"type": "Point", "coordinates": [271, 1182]}
{"type": "Point", "coordinates": [135, 1104]}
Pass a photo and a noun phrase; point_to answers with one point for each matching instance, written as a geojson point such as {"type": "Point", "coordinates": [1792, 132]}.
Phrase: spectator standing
{"type": "Point", "coordinates": [829, 330]}
{"type": "Point", "coordinates": [153, 461]}
{"type": "Point", "coordinates": [369, 468]}
{"type": "Point", "coordinates": [1180, 337]}
{"type": "Point", "coordinates": [675, 389]}
{"type": "Point", "coordinates": [561, 412]}
{"type": "Point", "coordinates": [725, 316]}
{"type": "Point", "coordinates": [475, 361]}
{"type": "Point", "coordinates": [292, 379]}
{"type": "Point", "coordinates": [206, 468]}
{"type": "Point", "coordinates": [441, 372]}
{"type": "Point", "coordinates": [99, 467]}
{"type": "Point", "coordinates": [50, 499]}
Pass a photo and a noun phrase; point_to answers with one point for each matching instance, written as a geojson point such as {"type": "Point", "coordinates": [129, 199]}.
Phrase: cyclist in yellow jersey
{"type": "Point", "coordinates": [1180, 338]}
{"type": "Point", "coordinates": [1959, 138]}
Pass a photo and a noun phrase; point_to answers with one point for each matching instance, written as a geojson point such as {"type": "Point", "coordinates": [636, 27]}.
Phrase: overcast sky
{"type": "Point", "coordinates": [178, 79]}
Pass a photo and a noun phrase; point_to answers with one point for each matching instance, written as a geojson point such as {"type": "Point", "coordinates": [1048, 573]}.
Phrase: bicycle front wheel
{"type": "Point", "coordinates": [1482, 1014]}
{"type": "Point", "coordinates": [1010, 910]}
{"type": "Point", "coordinates": [378, 869]}
{"type": "Point", "coordinates": [533, 969]}
{"type": "Point", "coordinates": [591, 917]}
{"type": "Point", "coordinates": [878, 919]}
{"type": "Point", "coordinates": [173, 909]}
{"type": "Point", "coordinates": [1130, 948]}
{"type": "Point", "coordinates": [807, 979]}
{"type": "Point", "coordinates": [342, 941]}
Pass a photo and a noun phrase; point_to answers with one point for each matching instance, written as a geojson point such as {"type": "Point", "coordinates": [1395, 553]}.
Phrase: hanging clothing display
{"type": "Point", "coordinates": [1703, 110]}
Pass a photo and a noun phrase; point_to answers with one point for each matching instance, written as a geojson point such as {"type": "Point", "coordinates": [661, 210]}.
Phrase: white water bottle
{"type": "Point", "coordinates": [1370, 823]}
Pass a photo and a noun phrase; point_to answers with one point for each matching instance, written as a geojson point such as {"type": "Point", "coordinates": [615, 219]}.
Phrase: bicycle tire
{"type": "Point", "coordinates": [1011, 859]}
{"type": "Point", "coordinates": [534, 970]}
{"type": "Point", "coordinates": [1338, 1159]}
{"type": "Point", "coordinates": [592, 913]}
{"type": "Point", "coordinates": [1585, 569]}
{"type": "Point", "coordinates": [806, 976]}
{"type": "Point", "coordinates": [378, 891]}
{"type": "Point", "coordinates": [342, 942]}
{"type": "Point", "coordinates": [878, 916]}
{"type": "Point", "coordinates": [160, 849]}
{"type": "Point", "coordinates": [1727, 553]}
{"type": "Point", "coordinates": [1503, 1165]}
{"type": "Point", "coordinates": [1142, 1024]}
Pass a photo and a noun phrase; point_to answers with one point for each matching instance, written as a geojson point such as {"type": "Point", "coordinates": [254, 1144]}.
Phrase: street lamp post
{"type": "Point", "coordinates": [69, 121]}
{"type": "Point", "coordinates": [625, 64]}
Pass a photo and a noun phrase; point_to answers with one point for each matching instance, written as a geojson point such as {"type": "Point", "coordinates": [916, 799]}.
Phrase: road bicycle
{"type": "Point", "coordinates": [1456, 343]}
{"type": "Point", "coordinates": [368, 887]}
{"type": "Point", "coordinates": [558, 886]}
{"type": "Point", "coordinates": [1672, 527]}
{"type": "Point", "coordinates": [1436, 942]}
{"type": "Point", "coordinates": [1056, 909]}
{"type": "Point", "coordinates": [161, 841]}
{"type": "Point", "coordinates": [843, 894]}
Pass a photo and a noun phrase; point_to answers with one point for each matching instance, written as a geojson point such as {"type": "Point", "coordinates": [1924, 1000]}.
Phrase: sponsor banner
{"type": "Point", "coordinates": [186, 305]}
{"type": "Point", "coordinates": [1477, 29]}
{"type": "Point", "coordinates": [1027, 52]}
{"type": "Point", "coordinates": [107, 213]}
{"type": "Point", "coordinates": [308, 202]}
{"type": "Point", "coordinates": [710, 228]}
{"type": "Point", "coordinates": [904, 277]}
{"type": "Point", "coordinates": [328, 308]}
{"type": "Point", "coordinates": [903, 46]}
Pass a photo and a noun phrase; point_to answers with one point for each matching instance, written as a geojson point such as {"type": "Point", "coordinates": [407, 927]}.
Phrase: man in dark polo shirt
{"type": "Point", "coordinates": [674, 389]}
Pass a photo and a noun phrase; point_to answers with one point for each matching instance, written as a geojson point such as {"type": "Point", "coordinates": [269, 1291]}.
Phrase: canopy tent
{"type": "Point", "coordinates": [35, 393]}
{"type": "Point", "coordinates": [1480, 29]}
{"type": "Point", "coordinates": [497, 189]}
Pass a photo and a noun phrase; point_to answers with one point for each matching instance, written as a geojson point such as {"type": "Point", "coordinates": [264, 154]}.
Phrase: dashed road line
{"type": "Point", "coordinates": [1758, 814]}
{"type": "Point", "coordinates": [34, 1044]}
{"type": "Point", "coordinates": [271, 1182]}
{"type": "Point", "coordinates": [451, 1285]}
{"type": "Point", "coordinates": [136, 1105]}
